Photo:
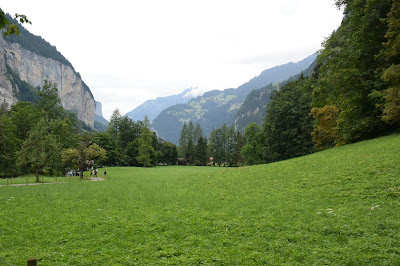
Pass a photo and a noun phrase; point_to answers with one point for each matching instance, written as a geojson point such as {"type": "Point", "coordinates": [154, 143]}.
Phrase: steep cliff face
{"type": "Point", "coordinates": [7, 95]}
{"type": "Point", "coordinates": [34, 69]}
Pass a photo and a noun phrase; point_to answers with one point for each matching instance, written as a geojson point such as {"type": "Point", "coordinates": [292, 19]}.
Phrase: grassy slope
{"type": "Point", "coordinates": [318, 209]}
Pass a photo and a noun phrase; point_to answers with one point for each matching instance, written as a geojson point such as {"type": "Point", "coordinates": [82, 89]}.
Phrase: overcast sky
{"type": "Point", "coordinates": [132, 51]}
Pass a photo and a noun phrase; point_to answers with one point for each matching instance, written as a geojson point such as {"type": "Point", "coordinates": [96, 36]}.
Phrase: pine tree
{"type": "Point", "coordinates": [145, 150]}
{"type": "Point", "coordinates": [183, 141]}
{"type": "Point", "coordinates": [201, 157]}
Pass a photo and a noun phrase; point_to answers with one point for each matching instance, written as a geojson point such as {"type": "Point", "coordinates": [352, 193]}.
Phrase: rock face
{"type": "Point", "coordinates": [34, 69]}
{"type": "Point", "coordinates": [6, 91]}
{"type": "Point", "coordinates": [99, 109]}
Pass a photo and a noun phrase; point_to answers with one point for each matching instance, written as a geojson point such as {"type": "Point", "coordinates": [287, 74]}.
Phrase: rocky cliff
{"type": "Point", "coordinates": [34, 69]}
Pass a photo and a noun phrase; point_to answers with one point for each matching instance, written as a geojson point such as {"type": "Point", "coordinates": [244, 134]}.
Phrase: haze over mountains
{"type": "Point", "coordinates": [152, 108]}
{"type": "Point", "coordinates": [215, 108]}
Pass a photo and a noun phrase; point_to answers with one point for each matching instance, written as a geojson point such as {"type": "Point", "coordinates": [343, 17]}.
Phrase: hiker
{"type": "Point", "coordinates": [91, 173]}
{"type": "Point", "coordinates": [73, 173]}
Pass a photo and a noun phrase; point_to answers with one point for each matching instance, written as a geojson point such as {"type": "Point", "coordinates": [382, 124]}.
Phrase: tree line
{"type": "Point", "coordinates": [130, 143]}
{"type": "Point", "coordinates": [352, 95]}
{"type": "Point", "coordinates": [42, 137]}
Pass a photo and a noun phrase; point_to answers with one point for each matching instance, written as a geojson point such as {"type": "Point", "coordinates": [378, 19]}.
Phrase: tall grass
{"type": "Point", "coordinates": [339, 206]}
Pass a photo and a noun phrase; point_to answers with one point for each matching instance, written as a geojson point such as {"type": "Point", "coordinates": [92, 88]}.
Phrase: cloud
{"type": "Point", "coordinates": [194, 92]}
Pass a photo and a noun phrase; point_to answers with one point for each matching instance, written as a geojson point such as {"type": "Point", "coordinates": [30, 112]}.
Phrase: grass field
{"type": "Point", "coordinates": [340, 206]}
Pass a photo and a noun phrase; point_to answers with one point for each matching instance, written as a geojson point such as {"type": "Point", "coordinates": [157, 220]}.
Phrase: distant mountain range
{"type": "Point", "coordinates": [215, 108]}
{"type": "Point", "coordinates": [152, 108]}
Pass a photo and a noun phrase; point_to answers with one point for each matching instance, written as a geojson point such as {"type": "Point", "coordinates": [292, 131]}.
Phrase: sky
{"type": "Point", "coordinates": [128, 52]}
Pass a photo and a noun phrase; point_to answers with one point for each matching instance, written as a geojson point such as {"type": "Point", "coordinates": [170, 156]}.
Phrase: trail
{"type": "Point", "coordinates": [94, 179]}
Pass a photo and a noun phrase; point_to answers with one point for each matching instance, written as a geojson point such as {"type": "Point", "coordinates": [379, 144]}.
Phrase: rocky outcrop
{"type": "Point", "coordinates": [34, 69]}
{"type": "Point", "coordinates": [99, 109]}
{"type": "Point", "coordinates": [7, 95]}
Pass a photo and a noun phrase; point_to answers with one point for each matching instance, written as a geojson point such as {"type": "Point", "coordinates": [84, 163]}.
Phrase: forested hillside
{"type": "Point", "coordinates": [254, 107]}
{"type": "Point", "coordinates": [353, 93]}
{"type": "Point", "coordinates": [215, 108]}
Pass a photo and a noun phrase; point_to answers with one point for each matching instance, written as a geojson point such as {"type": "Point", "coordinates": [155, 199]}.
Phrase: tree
{"type": "Point", "coordinates": [253, 150]}
{"type": "Point", "coordinates": [391, 111]}
{"type": "Point", "coordinates": [128, 131]}
{"type": "Point", "coordinates": [40, 148]}
{"type": "Point", "coordinates": [230, 146]}
{"type": "Point", "coordinates": [239, 145]}
{"type": "Point", "coordinates": [219, 145]}
{"type": "Point", "coordinates": [197, 133]}
{"type": "Point", "coordinates": [183, 140]}
{"type": "Point", "coordinates": [83, 155]}
{"type": "Point", "coordinates": [145, 149]}
{"type": "Point", "coordinates": [24, 116]}
{"type": "Point", "coordinates": [169, 153]}
{"type": "Point", "coordinates": [351, 70]}
{"type": "Point", "coordinates": [132, 152]}
{"type": "Point", "coordinates": [288, 124]}
{"type": "Point", "coordinates": [324, 134]}
{"type": "Point", "coordinates": [200, 154]}
{"type": "Point", "coordinates": [114, 125]}
{"type": "Point", "coordinates": [8, 145]}
{"type": "Point", "coordinates": [49, 102]}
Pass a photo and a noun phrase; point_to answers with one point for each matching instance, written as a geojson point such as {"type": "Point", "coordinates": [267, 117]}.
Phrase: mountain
{"type": "Point", "coordinates": [27, 60]}
{"type": "Point", "coordinates": [254, 107]}
{"type": "Point", "coordinates": [152, 108]}
{"type": "Point", "coordinates": [100, 123]}
{"type": "Point", "coordinates": [216, 107]}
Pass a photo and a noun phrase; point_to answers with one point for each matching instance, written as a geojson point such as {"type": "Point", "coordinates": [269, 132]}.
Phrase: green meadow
{"type": "Point", "coordinates": [340, 206]}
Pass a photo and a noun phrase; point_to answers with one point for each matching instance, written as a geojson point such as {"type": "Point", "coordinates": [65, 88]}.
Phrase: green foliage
{"type": "Point", "coordinates": [50, 103]}
{"type": "Point", "coordinates": [8, 144]}
{"type": "Point", "coordinates": [253, 108]}
{"type": "Point", "coordinates": [224, 146]}
{"type": "Point", "coordinates": [24, 116]}
{"type": "Point", "coordinates": [83, 155]}
{"type": "Point", "coordinates": [39, 149]}
{"type": "Point", "coordinates": [200, 154]}
{"type": "Point", "coordinates": [339, 206]}
{"type": "Point", "coordinates": [391, 75]}
{"type": "Point", "coordinates": [253, 151]}
{"type": "Point", "coordinates": [351, 70]}
{"type": "Point", "coordinates": [145, 149]}
{"type": "Point", "coordinates": [57, 131]}
{"type": "Point", "coordinates": [133, 143]}
{"type": "Point", "coordinates": [183, 141]}
{"type": "Point", "coordinates": [324, 134]}
{"type": "Point", "coordinates": [288, 124]}
{"type": "Point", "coordinates": [11, 28]}
{"type": "Point", "coordinates": [169, 153]}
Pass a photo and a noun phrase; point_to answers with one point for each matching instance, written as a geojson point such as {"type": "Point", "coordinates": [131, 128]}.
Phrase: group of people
{"type": "Point", "coordinates": [91, 173]}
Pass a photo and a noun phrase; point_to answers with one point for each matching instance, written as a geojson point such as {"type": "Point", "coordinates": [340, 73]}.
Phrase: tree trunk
{"type": "Point", "coordinates": [37, 175]}
{"type": "Point", "coordinates": [81, 174]}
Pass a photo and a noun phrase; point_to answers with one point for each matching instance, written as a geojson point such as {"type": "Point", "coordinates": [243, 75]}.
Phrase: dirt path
{"type": "Point", "coordinates": [49, 183]}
